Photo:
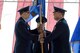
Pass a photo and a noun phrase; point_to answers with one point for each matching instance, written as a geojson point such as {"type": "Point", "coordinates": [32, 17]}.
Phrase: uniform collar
{"type": "Point", "coordinates": [60, 20]}
{"type": "Point", "coordinates": [23, 19]}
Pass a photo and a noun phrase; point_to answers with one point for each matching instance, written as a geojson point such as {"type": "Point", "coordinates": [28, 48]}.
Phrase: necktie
{"type": "Point", "coordinates": [28, 27]}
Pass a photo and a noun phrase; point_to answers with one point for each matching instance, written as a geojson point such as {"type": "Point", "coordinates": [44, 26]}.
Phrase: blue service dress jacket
{"type": "Point", "coordinates": [23, 37]}
{"type": "Point", "coordinates": [60, 37]}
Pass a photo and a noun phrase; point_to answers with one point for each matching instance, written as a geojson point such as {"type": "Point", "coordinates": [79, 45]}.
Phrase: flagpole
{"type": "Point", "coordinates": [40, 13]}
{"type": "Point", "coordinates": [41, 43]}
{"type": "Point", "coordinates": [42, 50]}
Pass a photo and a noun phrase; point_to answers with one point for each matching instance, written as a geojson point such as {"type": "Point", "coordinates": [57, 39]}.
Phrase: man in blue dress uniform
{"type": "Point", "coordinates": [60, 33]}
{"type": "Point", "coordinates": [23, 36]}
{"type": "Point", "coordinates": [37, 45]}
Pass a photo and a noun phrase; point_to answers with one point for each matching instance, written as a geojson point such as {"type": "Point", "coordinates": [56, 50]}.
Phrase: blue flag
{"type": "Point", "coordinates": [76, 34]}
{"type": "Point", "coordinates": [43, 5]}
{"type": "Point", "coordinates": [34, 9]}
